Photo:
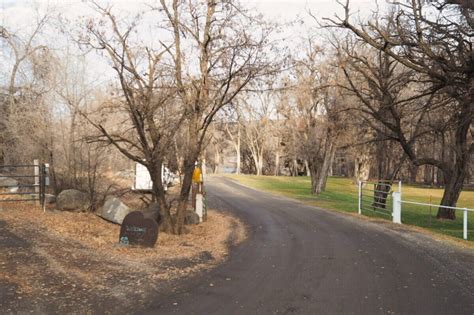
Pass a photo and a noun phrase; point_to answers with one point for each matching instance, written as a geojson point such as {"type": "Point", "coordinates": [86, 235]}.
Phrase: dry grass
{"type": "Point", "coordinates": [98, 234]}
{"type": "Point", "coordinates": [85, 249]}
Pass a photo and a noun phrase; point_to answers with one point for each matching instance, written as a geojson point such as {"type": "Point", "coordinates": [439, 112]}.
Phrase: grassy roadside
{"type": "Point", "coordinates": [341, 195]}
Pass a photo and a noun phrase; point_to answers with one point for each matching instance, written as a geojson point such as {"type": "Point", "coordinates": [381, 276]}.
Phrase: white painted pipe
{"type": "Point", "coordinates": [200, 206]}
{"type": "Point", "coordinates": [397, 208]}
{"type": "Point", "coordinates": [465, 223]}
{"type": "Point", "coordinates": [360, 198]}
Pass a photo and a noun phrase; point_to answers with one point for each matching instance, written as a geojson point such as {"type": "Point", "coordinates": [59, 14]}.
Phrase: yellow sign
{"type": "Point", "coordinates": [197, 176]}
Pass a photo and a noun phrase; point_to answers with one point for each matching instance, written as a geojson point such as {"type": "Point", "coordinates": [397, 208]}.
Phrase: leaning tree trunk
{"type": "Point", "coordinates": [258, 161]}
{"type": "Point", "coordinates": [452, 190]}
{"type": "Point", "coordinates": [451, 194]}
{"type": "Point", "coordinates": [455, 177]}
{"type": "Point", "coordinates": [322, 175]}
{"type": "Point", "coordinates": [329, 171]}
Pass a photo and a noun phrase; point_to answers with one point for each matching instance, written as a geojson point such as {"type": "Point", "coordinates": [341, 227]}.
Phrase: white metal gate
{"type": "Point", "coordinates": [376, 196]}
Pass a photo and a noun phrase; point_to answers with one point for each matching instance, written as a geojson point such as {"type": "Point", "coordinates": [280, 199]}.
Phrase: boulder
{"type": "Point", "coordinates": [73, 200]}
{"type": "Point", "coordinates": [191, 217]}
{"type": "Point", "coordinates": [152, 212]}
{"type": "Point", "coordinates": [9, 183]}
{"type": "Point", "coordinates": [50, 198]}
{"type": "Point", "coordinates": [114, 210]}
{"type": "Point", "coordinates": [138, 230]}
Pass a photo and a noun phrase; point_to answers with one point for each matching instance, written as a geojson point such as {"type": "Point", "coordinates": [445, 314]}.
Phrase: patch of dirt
{"type": "Point", "coordinates": [58, 262]}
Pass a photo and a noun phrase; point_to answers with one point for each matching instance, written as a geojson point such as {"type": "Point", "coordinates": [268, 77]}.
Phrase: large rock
{"type": "Point", "coordinates": [9, 183]}
{"type": "Point", "coordinates": [50, 198]}
{"type": "Point", "coordinates": [114, 210]}
{"type": "Point", "coordinates": [138, 230]}
{"type": "Point", "coordinates": [73, 200]}
{"type": "Point", "coordinates": [152, 212]}
{"type": "Point", "coordinates": [191, 217]}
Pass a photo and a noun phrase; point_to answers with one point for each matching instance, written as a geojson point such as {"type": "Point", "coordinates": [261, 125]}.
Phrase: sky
{"type": "Point", "coordinates": [18, 14]}
{"type": "Point", "coordinates": [18, 11]}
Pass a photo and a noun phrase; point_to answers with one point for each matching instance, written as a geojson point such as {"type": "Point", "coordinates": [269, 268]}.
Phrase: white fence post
{"type": "Point", "coordinates": [36, 169]}
{"type": "Point", "coordinates": [464, 234]}
{"type": "Point", "coordinates": [360, 198]}
{"type": "Point", "coordinates": [46, 171]}
{"type": "Point", "coordinates": [200, 206]}
{"type": "Point", "coordinates": [397, 207]}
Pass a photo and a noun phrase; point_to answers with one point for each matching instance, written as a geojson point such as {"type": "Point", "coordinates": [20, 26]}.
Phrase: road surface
{"type": "Point", "coordinates": [303, 260]}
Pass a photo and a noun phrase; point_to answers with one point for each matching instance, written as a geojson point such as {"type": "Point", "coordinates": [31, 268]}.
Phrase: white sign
{"type": "Point", "coordinates": [142, 178]}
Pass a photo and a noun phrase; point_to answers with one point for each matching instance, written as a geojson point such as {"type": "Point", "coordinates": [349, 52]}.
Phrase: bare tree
{"type": "Point", "coordinates": [164, 93]}
{"type": "Point", "coordinates": [144, 96]}
{"type": "Point", "coordinates": [26, 80]}
{"type": "Point", "coordinates": [257, 109]}
{"type": "Point", "coordinates": [319, 104]}
{"type": "Point", "coordinates": [382, 87]}
{"type": "Point", "coordinates": [229, 57]}
{"type": "Point", "coordinates": [233, 129]}
{"type": "Point", "coordinates": [439, 48]}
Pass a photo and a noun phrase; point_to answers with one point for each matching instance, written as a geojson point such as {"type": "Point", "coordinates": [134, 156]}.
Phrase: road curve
{"type": "Point", "coordinates": [303, 260]}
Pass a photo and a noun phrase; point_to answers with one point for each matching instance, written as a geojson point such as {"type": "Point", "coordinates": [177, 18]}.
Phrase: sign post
{"type": "Point", "coordinates": [198, 193]}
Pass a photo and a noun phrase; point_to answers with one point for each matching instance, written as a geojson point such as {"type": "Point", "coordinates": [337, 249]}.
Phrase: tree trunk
{"type": "Point", "coordinates": [258, 161]}
{"type": "Point", "coordinates": [295, 168]}
{"type": "Point", "coordinates": [306, 166]}
{"type": "Point", "coordinates": [277, 163]}
{"type": "Point", "coordinates": [440, 176]}
{"type": "Point", "coordinates": [427, 175]}
{"type": "Point", "coordinates": [238, 167]}
{"type": "Point", "coordinates": [322, 175]}
{"type": "Point", "coordinates": [217, 160]}
{"type": "Point", "coordinates": [189, 164]}
{"type": "Point", "coordinates": [314, 177]}
{"type": "Point", "coordinates": [260, 165]}
{"type": "Point", "coordinates": [413, 170]}
{"type": "Point", "coordinates": [362, 167]}
{"type": "Point", "coordinates": [451, 195]}
{"type": "Point", "coordinates": [333, 154]}
{"type": "Point", "coordinates": [237, 151]}
{"type": "Point", "coordinates": [154, 168]}
{"type": "Point", "coordinates": [455, 179]}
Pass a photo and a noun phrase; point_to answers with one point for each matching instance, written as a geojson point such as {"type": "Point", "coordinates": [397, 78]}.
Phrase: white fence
{"type": "Point", "coordinates": [397, 210]}
{"type": "Point", "coordinates": [397, 203]}
{"type": "Point", "coordinates": [378, 196]}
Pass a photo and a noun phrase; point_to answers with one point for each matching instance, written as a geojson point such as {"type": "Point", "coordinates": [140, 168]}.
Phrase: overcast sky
{"type": "Point", "coordinates": [18, 11]}
{"type": "Point", "coordinates": [18, 14]}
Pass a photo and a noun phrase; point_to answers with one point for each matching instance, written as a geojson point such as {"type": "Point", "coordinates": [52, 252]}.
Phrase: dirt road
{"type": "Point", "coordinates": [304, 260]}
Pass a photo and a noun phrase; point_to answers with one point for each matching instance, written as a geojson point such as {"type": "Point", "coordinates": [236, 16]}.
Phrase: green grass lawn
{"type": "Point", "coordinates": [341, 195]}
